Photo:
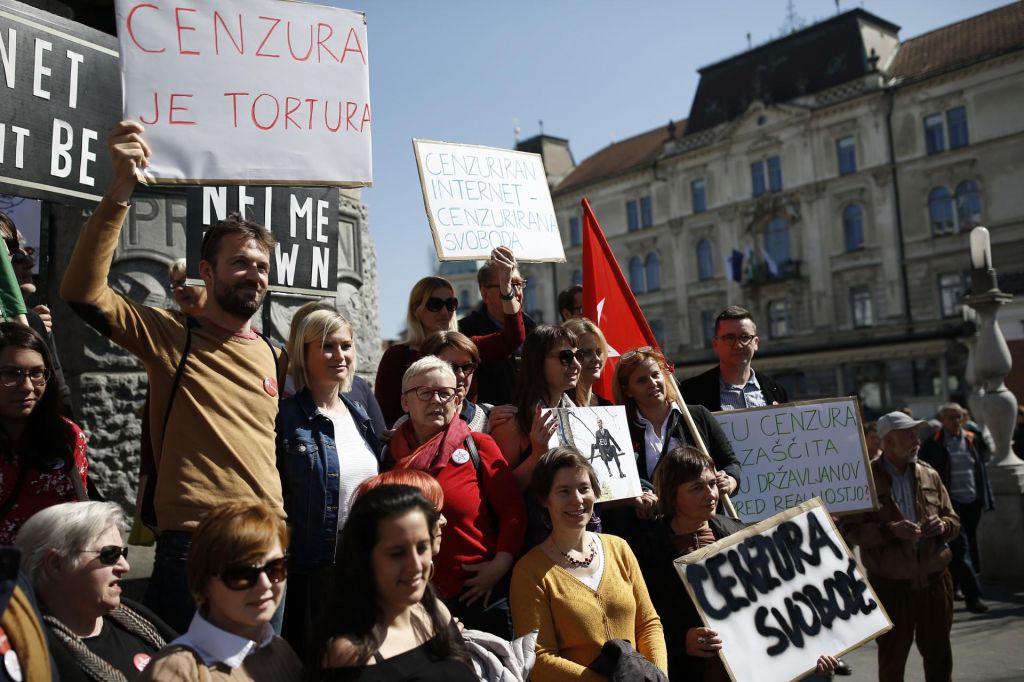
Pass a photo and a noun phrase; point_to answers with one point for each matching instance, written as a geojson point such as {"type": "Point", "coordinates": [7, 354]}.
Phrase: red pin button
{"type": "Point", "coordinates": [270, 386]}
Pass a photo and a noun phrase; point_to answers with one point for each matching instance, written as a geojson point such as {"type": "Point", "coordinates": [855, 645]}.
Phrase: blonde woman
{"type": "Point", "coordinates": [593, 349]}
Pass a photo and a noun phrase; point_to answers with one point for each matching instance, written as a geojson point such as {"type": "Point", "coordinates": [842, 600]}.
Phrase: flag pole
{"type": "Point", "coordinates": [730, 508]}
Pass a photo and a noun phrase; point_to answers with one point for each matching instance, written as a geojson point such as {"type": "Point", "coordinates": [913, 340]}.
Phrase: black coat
{"type": "Point", "coordinates": [494, 380]}
{"type": "Point", "coordinates": [705, 389]}
{"type": "Point", "coordinates": [655, 555]}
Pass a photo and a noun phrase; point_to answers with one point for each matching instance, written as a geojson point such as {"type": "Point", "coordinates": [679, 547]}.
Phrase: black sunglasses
{"type": "Point", "coordinates": [466, 369]}
{"type": "Point", "coordinates": [566, 356]}
{"type": "Point", "coordinates": [435, 304]}
{"type": "Point", "coordinates": [108, 555]}
{"type": "Point", "coordinates": [243, 577]}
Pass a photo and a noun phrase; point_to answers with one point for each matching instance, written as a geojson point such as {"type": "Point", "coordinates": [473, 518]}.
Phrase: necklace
{"type": "Point", "coordinates": [578, 563]}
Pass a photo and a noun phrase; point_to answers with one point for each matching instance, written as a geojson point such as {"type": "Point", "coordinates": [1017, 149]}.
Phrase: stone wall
{"type": "Point", "coordinates": [109, 385]}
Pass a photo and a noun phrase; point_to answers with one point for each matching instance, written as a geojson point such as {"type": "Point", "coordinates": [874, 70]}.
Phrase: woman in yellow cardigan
{"type": "Point", "coordinates": [579, 589]}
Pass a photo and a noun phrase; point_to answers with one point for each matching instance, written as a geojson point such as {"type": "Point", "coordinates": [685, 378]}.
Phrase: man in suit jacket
{"type": "Point", "coordinates": [733, 384]}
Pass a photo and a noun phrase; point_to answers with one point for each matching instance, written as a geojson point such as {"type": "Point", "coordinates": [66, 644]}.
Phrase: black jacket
{"type": "Point", "coordinates": [494, 380]}
{"type": "Point", "coordinates": [620, 662]}
{"type": "Point", "coordinates": [655, 555]}
{"type": "Point", "coordinates": [935, 452]}
{"type": "Point", "coordinates": [705, 389]}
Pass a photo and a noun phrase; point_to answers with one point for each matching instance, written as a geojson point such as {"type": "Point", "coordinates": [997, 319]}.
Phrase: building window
{"type": "Point", "coordinates": [968, 205]}
{"type": "Point", "coordinates": [707, 327]}
{"type": "Point", "coordinates": [658, 329]}
{"type": "Point", "coordinates": [774, 174]}
{"type": "Point", "coordinates": [577, 277]}
{"type": "Point", "coordinates": [705, 260]}
{"type": "Point", "coordinates": [940, 211]}
{"type": "Point", "coordinates": [860, 307]}
{"type": "Point", "coordinates": [847, 155]}
{"type": "Point", "coordinates": [636, 275]}
{"type": "Point", "coordinates": [951, 293]}
{"type": "Point", "coordinates": [776, 241]}
{"type": "Point", "coordinates": [646, 212]}
{"type": "Point", "coordinates": [575, 233]}
{"type": "Point", "coordinates": [778, 318]}
{"type": "Point", "coordinates": [757, 177]}
{"type": "Point", "coordinates": [956, 120]}
{"type": "Point", "coordinates": [653, 269]}
{"type": "Point", "coordinates": [632, 216]}
{"type": "Point", "coordinates": [934, 136]}
{"type": "Point", "coordinates": [698, 193]}
{"type": "Point", "coordinates": [853, 227]}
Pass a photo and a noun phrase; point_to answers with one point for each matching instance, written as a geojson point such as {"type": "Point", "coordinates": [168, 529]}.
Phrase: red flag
{"type": "Point", "coordinates": [609, 302]}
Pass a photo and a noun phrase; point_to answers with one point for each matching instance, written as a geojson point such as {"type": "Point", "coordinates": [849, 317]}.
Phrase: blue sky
{"type": "Point", "coordinates": [594, 72]}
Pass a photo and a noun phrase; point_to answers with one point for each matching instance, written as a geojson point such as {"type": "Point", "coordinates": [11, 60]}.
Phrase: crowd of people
{"type": "Point", "coordinates": [309, 527]}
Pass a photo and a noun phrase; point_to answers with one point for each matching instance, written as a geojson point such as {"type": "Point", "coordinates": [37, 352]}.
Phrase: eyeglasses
{"type": "Point", "coordinates": [108, 555]}
{"type": "Point", "coordinates": [177, 284]}
{"type": "Point", "coordinates": [435, 304]}
{"type": "Point", "coordinates": [516, 284]}
{"type": "Point", "coordinates": [466, 369]}
{"type": "Point", "coordinates": [629, 354]}
{"type": "Point", "coordinates": [14, 376]}
{"type": "Point", "coordinates": [240, 578]}
{"type": "Point", "coordinates": [427, 393]}
{"type": "Point", "coordinates": [20, 258]}
{"type": "Point", "coordinates": [566, 356]}
{"type": "Point", "coordinates": [731, 339]}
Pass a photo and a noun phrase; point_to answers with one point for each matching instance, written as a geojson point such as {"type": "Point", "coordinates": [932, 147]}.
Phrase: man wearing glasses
{"type": "Point", "coordinates": [495, 380]}
{"type": "Point", "coordinates": [733, 384]}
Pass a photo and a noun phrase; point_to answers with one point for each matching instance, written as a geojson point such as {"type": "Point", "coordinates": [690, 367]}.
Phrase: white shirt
{"type": "Point", "coordinates": [594, 579]}
{"type": "Point", "coordinates": [220, 646]}
{"type": "Point", "coordinates": [654, 441]}
{"type": "Point", "coordinates": [356, 462]}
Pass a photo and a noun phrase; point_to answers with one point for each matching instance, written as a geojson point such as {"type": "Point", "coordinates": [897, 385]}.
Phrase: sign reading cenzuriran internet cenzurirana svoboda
{"type": "Point", "coordinates": [262, 92]}
{"type": "Point", "coordinates": [480, 198]}
{"type": "Point", "coordinates": [791, 453]}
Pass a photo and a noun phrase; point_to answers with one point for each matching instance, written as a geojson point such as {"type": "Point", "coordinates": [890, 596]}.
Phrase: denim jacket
{"type": "Point", "coordinates": [309, 476]}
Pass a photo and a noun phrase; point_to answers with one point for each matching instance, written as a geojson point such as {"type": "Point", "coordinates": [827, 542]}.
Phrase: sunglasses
{"type": "Point", "coordinates": [434, 304]}
{"type": "Point", "coordinates": [636, 351]}
{"type": "Point", "coordinates": [108, 555]}
{"type": "Point", "coordinates": [240, 578]}
{"type": "Point", "coordinates": [566, 356]}
{"type": "Point", "coordinates": [466, 369]}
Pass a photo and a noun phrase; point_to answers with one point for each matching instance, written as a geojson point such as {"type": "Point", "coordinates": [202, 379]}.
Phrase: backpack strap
{"type": "Point", "coordinates": [277, 352]}
{"type": "Point", "coordinates": [474, 456]}
{"type": "Point", "coordinates": [190, 324]}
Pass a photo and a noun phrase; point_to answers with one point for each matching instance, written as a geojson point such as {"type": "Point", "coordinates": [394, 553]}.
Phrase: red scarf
{"type": "Point", "coordinates": [433, 455]}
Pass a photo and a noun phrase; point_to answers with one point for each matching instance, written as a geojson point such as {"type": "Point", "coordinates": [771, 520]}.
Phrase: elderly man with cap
{"type": "Point", "coordinates": [904, 547]}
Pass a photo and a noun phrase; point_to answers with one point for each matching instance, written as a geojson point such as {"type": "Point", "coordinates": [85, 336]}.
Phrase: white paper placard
{"type": "Point", "coordinates": [264, 92]}
{"type": "Point", "coordinates": [479, 198]}
{"type": "Point", "coordinates": [794, 452]}
{"type": "Point", "coordinates": [781, 593]}
{"type": "Point", "coordinates": [602, 435]}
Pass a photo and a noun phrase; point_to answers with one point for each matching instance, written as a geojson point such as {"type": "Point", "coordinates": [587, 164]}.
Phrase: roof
{"type": "Point", "coordinates": [621, 157]}
{"type": "Point", "coordinates": [966, 42]}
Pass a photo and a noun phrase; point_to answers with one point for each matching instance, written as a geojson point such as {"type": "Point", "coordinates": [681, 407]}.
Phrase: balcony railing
{"type": "Point", "coordinates": [762, 274]}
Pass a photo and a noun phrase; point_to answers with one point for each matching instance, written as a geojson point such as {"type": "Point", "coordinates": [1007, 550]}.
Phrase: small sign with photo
{"type": "Point", "coordinates": [602, 435]}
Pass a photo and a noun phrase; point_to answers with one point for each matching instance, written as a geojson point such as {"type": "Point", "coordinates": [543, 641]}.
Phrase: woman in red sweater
{"type": "Point", "coordinates": [485, 511]}
{"type": "Point", "coordinates": [432, 306]}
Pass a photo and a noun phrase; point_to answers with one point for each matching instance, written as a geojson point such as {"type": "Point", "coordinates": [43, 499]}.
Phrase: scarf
{"type": "Point", "coordinates": [433, 455]}
{"type": "Point", "coordinates": [91, 664]}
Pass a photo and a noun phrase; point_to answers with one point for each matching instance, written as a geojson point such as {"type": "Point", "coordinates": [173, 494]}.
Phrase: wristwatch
{"type": "Point", "coordinates": [511, 295]}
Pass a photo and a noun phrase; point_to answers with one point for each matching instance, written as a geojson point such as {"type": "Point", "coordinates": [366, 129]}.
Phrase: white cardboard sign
{"type": "Point", "coordinates": [794, 452]}
{"type": "Point", "coordinates": [781, 593]}
{"type": "Point", "coordinates": [602, 435]}
{"type": "Point", "coordinates": [479, 198]}
{"type": "Point", "coordinates": [264, 92]}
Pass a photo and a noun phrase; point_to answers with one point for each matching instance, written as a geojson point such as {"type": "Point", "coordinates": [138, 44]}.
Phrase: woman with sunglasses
{"type": "Point", "coordinates": [644, 384]}
{"type": "Point", "coordinates": [432, 306]}
{"type": "Point", "coordinates": [75, 557]}
{"type": "Point", "coordinates": [392, 627]}
{"type": "Point", "coordinates": [326, 447]}
{"type": "Point", "coordinates": [236, 570]}
{"type": "Point", "coordinates": [42, 454]}
{"type": "Point", "coordinates": [486, 517]}
{"type": "Point", "coordinates": [593, 350]}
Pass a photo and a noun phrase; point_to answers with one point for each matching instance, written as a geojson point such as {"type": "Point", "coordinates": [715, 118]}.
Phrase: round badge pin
{"type": "Point", "coordinates": [13, 666]}
{"type": "Point", "coordinates": [460, 456]}
{"type": "Point", "coordinates": [270, 386]}
{"type": "Point", "coordinates": [141, 660]}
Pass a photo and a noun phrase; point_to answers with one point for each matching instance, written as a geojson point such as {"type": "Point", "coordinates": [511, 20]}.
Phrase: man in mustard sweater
{"type": "Point", "coordinates": [211, 415]}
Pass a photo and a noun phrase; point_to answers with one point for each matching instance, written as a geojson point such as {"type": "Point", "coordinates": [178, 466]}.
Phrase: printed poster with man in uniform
{"type": "Point", "coordinates": [602, 435]}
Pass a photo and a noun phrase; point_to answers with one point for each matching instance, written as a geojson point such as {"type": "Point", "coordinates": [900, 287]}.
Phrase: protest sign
{"type": "Point", "coordinates": [266, 92]}
{"type": "Point", "coordinates": [602, 435]}
{"type": "Point", "coordinates": [52, 130]}
{"type": "Point", "coordinates": [791, 453]}
{"type": "Point", "coordinates": [479, 198]}
{"type": "Point", "coordinates": [303, 220]}
{"type": "Point", "coordinates": [781, 593]}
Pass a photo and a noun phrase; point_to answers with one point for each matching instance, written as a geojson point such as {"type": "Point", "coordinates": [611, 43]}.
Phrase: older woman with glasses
{"type": "Point", "coordinates": [42, 454]}
{"type": "Point", "coordinates": [75, 556]}
{"type": "Point", "coordinates": [593, 348]}
{"type": "Point", "coordinates": [432, 306]}
{"type": "Point", "coordinates": [486, 517]}
{"type": "Point", "coordinates": [237, 568]}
